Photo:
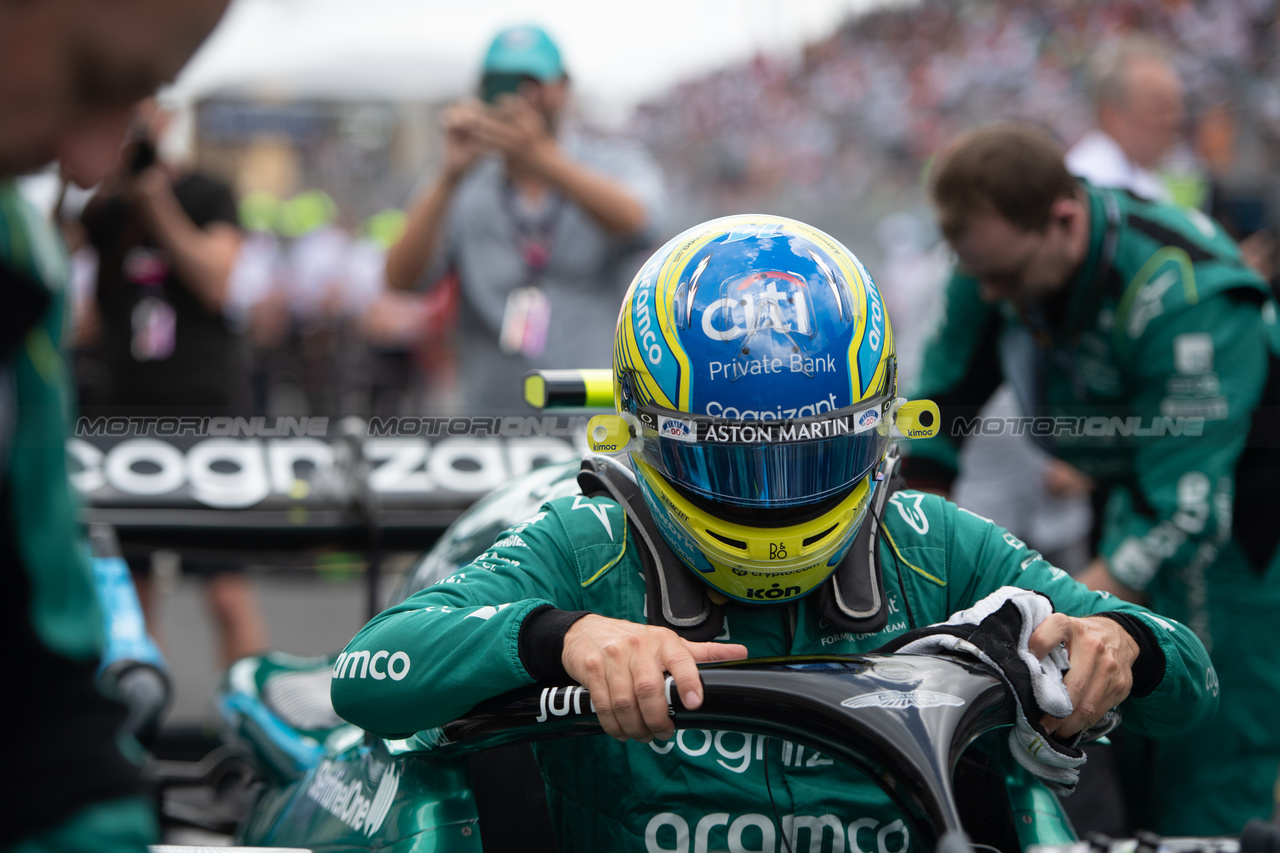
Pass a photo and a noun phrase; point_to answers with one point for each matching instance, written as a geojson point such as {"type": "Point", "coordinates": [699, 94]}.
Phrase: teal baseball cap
{"type": "Point", "coordinates": [524, 50]}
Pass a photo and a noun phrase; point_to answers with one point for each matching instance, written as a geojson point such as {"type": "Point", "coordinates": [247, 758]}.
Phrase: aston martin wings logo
{"type": "Point", "coordinates": [902, 699]}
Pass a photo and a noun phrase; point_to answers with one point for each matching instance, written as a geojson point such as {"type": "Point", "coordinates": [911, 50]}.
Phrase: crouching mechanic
{"type": "Point", "coordinates": [755, 365]}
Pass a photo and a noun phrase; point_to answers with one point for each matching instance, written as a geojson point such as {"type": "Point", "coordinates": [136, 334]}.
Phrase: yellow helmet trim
{"type": "Point", "coordinates": [793, 559]}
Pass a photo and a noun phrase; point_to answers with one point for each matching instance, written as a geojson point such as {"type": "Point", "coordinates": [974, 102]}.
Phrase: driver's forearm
{"type": "Point", "coordinates": [410, 257]}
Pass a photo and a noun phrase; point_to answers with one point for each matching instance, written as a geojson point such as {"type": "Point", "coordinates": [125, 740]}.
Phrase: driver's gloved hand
{"type": "Point", "coordinates": [997, 631]}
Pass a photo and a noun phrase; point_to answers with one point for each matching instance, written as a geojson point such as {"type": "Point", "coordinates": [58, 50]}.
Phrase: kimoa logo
{"type": "Point", "coordinates": [347, 801]}
{"type": "Point", "coordinates": [902, 699]}
{"type": "Point", "coordinates": [668, 832]}
{"type": "Point", "coordinates": [363, 664]}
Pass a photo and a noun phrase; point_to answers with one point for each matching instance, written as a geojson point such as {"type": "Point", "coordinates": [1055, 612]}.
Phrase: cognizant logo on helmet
{"type": "Point", "coordinates": [716, 409]}
{"type": "Point", "coordinates": [363, 664]}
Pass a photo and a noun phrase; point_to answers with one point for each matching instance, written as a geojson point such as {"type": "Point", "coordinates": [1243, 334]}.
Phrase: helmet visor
{"type": "Point", "coordinates": [767, 463]}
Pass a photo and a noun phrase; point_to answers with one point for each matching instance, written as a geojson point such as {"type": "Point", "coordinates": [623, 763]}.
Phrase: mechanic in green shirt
{"type": "Point", "coordinates": [70, 75]}
{"type": "Point", "coordinates": [1144, 353]}
{"type": "Point", "coordinates": [755, 384]}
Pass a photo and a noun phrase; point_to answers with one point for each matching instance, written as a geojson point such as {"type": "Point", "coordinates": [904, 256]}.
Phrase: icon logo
{"type": "Point", "coordinates": [775, 591]}
{"type": "Point", "coordinates": [902, 699]}
{"type": "Point", "coordinates": [866, 420]}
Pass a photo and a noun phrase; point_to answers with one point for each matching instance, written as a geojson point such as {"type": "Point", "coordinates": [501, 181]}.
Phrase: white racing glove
{"type": "Point", "coordinates": [997, 631]}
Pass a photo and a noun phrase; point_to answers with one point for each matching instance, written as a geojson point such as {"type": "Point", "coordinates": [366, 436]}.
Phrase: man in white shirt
{"type": "Point", "coordinates": [1139, 107]}
{"type": "Point", "coordinates": [1138, 99]}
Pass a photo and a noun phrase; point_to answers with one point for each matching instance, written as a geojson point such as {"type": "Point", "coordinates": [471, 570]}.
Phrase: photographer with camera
{"type": "Point", "coordinates": [167, 239]}
{"type": "Point", "coordinates": [543, 235]}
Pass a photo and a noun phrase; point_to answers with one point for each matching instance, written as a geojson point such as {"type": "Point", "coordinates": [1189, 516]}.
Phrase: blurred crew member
{"type": "Point", "coordinates": [1138, 104]}
{"type": "Point", "coordinates": [541, 225]}
{"type": "Point", "coordinates": [70, 74]}
{"type": "Point", "coordinates": [167, 240]}
{"type": "Point", "coordinates": [1136, 331]}
{"type": "Point", "coordinates": [713, 547]}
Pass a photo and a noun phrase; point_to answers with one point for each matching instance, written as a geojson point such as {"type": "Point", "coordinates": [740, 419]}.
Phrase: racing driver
{"type": "Point", "coordinates": [754, 369]}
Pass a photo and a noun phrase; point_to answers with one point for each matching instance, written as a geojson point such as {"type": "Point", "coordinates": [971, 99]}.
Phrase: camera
{"type": "Point", "coordinates": [140, 156]}
{"type": "Point", "coordinates": [495, 85]}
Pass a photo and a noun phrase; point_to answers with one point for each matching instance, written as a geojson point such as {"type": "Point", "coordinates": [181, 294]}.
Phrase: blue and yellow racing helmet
{"type": "Point", "coordinates": [754, 379]}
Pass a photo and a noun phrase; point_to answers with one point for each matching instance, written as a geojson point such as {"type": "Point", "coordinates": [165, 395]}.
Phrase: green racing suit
{"type": "Point", "coordinates": [1150, 373]}
{"type": "Point", "coordinates": [77, 777]}
{"type": "Point", "coordinates": [432, 657]}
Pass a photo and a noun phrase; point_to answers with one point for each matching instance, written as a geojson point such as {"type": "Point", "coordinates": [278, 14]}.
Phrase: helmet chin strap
{"type": "Point", "coordinates": [852, 599]}
{"type": "Point", "coordinates": [674, 598]}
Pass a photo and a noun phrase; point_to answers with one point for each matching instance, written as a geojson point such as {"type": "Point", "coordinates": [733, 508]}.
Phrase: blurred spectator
{"type": "Point", "coordinates": [257, 302]}
{"type": "Point", "coordinates": [324, 333]}
{"type": "Point", "coordinates": [254, 277]}
{"type": "Point", "coordinates": [315, 253]}
{"type": "Point", "coordinates": [1138, 104]}
{"type": "Point", "coordinates": [69, 76]}
{"type": "Point", "coordinates": [1138, 101]}
{"type": "Point", "coordinates": [315, 281]}
{"type": "Point", "coordinates": [167, 241]}
{"type": "Point", "coordinates": [1242, 206]}
{"type": "Point", "coordinates": [911, 275]}
{"type": "Point", "coordinates": [411, 334]}
{"type": "Point", "coordinates": [541, 225]}
{"type": "Point", "coordinates": [368, 299]}
{"type": "Point", "coordinates": [828, 128]}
